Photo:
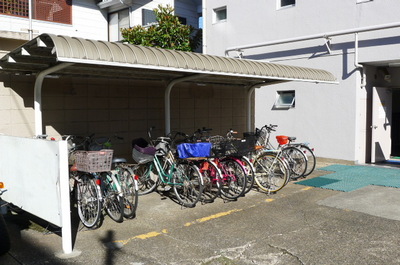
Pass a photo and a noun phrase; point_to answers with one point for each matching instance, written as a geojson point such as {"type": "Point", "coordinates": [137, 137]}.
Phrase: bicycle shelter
{"type": "Point", "coordinates": [48, 55]}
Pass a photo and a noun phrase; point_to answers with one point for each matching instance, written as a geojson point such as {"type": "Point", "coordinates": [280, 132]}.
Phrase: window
{"type": "Point", "coordinates": [148, 17]}
{"type": "Point", "coordinates": [59, 11]}
{"type": "Point", "coordinates": [286, 3]}
{"type": "Point", "coordinates": [116, 21]}
{"type": "Point", "coordinates": [219, 15]}
{"type": "Point", "coordinates": [285, 100]}
{"type": "Point", "coordinates": [183, 20]}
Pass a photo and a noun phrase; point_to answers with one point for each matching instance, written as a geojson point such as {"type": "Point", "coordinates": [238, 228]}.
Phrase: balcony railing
{"type": "Point", "coordinates": [59, 11]}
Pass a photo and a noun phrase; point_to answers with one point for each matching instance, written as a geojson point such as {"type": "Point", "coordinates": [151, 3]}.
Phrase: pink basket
{"type": "Point", "coordinates": [94, 161]}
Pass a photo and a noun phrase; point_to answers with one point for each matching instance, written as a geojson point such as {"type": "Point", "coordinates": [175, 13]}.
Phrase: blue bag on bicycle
{"type": "Point", "coordinates": [187, 150]}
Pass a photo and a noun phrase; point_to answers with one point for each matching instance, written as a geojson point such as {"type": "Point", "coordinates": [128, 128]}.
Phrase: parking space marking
{"type": "Point", "coordinates": [197, 221]}
{"type": "Point", "coordinates": [211, 217]}
{"type": "Point", "coordinates": [143, 236]}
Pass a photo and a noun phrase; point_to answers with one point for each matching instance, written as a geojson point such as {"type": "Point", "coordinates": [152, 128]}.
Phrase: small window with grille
{"type": "Point", "coordinates": [59, 11]}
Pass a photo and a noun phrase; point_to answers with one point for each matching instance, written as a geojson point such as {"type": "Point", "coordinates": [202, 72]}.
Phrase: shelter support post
{"type": "Point", "coordinates": [167, 98]}
{"type": "Point", "coordinates": [38, 95]}
{"type": "Point", "coordinates": [250, 92]}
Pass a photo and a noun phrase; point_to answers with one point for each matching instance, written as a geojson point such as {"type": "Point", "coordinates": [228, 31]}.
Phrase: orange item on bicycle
{"type": "Point", "coordinates": [282, 139]}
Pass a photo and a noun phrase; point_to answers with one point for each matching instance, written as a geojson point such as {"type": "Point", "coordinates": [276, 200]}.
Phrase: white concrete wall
{"type": "Point", "coordinates": [332, 117]}
{"type": "Point", "coordinates": [137, 6]}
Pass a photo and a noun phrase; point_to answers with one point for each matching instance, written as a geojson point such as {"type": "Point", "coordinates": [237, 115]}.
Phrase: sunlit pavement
{"type": "Point", "coordinates": [298, 225]}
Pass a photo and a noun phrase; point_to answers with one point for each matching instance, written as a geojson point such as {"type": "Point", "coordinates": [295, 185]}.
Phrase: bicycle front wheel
{"type": "Point", "coordinates": [233, 178]}
{"type": "Point", "coordinates": [187, 184]}
{"type": "Point", "coordinates": [311, 160]}
{"type": "Point", "coordinates": [212, 180]}
{"type": "Point", "coordinates": [148, 178]}
{"type": "Point", "coordinates": [88, 201]}
{"type": "Point", "coordinates": [129, 191]}
{"type": "Point", "coordinates": [248, 166]}
{"type": "Point", "coordinates": [113, 199]}
{"type": "Point", "coordinates": [271, 173]}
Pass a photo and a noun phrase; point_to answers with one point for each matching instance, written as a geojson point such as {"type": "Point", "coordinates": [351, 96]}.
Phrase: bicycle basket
{"type": "Point", "coordinates": [218, 145]}
{"type": "Point", "coordinates": [187, 150]}
{"type": "Point", "coordinates": [94, 161]}
{"type": "Point", "coordinates": [261, 137]}
{"type": "Point", "coordinates": [225, 147]}
{"type": "Point", "coordinates": [143, 155]}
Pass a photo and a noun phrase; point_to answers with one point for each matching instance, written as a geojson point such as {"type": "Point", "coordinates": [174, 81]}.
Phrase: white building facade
{"type": "Point", "coordinates": [97, 20]}
{"type": "Point", "coordinates": [356, 120]}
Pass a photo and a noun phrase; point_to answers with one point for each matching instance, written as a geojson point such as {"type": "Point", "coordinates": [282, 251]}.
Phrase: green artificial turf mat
{"type": "Point", "coordinates": [347, 178]}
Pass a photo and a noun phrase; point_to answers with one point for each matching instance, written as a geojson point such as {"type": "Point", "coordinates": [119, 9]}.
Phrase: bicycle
{"type": "Point", "coordinates": [229, 160]}
{"type": "Point", "coordinates": [243, 148]}
{"type": "Point", "coordinates": [186, 148]}
{"type": "Point", "coordinates": [93, 187]}
{"type": "Point", "coordinates": [292, 156]}
{"type": "Point", "coordinates": [234, 174]}
{"type": "Point", "coordinates": [159, 166]}
{"type": "Point", "coordinates": [308, 151]}
{"type": "Point", "coordinates": [123, 172]}
{"type": "Point", "coordinates": [271, 172]}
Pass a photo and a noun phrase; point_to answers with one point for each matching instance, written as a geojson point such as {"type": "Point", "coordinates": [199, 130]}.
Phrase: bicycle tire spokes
{"type": "Point", "coordinates": [88, 202]}
{"type": "Point", "coordinates": [271, 173]}
{"type": "Point", "coordinates": [112, 196]}
{"type": "Point", "coordinates": [212, 179]}
{"type": "Point", "coordinates": [129, 191]}
{"type": "Point", "coordinates": [233, 179]}
{"type": "Point", "coordinates": [187, 184]}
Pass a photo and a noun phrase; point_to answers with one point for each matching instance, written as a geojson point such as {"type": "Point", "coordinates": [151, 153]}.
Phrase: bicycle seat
{"type": "Point", "coordinates": [119, 160]}
{"type": "Point", "coordinates": [150, 150]}
{"type": "Point", "coordinates": [292, 139]}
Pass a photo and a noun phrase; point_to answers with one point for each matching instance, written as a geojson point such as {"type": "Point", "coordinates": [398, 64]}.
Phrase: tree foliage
{"type": "Point", "coordinates": [167, 33]}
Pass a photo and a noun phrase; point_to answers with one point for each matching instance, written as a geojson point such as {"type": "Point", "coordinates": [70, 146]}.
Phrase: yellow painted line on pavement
{"type": "Point", "coordinates": [307, 188]}
{"type": "Point", "coordinates": [211, 217]}
{"type": "Point", "coordinates": [143, 236]}
{"type": "Point", "coordinates": [165, 231]}
{"type": "Point", "coordinates": [270, 200]}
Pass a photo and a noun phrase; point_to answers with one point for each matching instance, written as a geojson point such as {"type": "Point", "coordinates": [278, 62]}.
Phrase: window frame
{"type": "Point", "coordinates": [363, 1]}
{"type": "Point", "coordinates": [216, 12]}
{"type": "Point", "coordinates": [281, 104]}
{"type": "Point", "coordinates": [145, 12]}
{"type": "Point", "coordinates": [280, 6]}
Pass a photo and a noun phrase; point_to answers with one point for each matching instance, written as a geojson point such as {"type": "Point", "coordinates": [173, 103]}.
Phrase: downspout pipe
{"type": "Point", "coordinates": [357, 64]}
{"type": "Point", "coordinates": [167, 98]}
{"type": "Point", "coordinates": [30, 29]}
{"type": "Point", "coordinates": [204, 26]}
{"type": "Point", "coordinates": [38, 95]}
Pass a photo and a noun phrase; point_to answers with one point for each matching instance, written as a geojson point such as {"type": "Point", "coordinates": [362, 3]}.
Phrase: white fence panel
{"type": "Point", "coordinates": [30, 169]}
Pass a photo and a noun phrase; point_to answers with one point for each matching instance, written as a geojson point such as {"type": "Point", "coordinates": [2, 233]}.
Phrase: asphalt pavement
{"type": "Point", "coordinates": [297, 225]}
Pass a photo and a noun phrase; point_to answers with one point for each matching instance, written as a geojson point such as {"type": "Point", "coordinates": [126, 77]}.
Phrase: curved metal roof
{"type": "Point", "coordinates": [92, 57]}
